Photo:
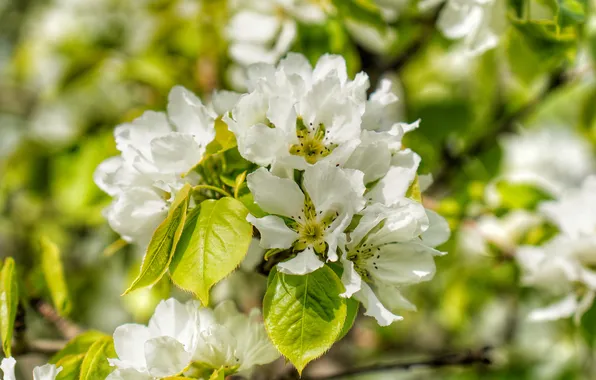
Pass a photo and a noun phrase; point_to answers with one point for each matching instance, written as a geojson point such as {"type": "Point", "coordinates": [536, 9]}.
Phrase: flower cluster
{"type": "Point", "coordinates": [190, 339]}
{"type": "Point", "coordinates": [563, 265]}
{"type": "Point", "coordinates": [338, 179]}
{"type": "Point", "coordinates": [45, 372]}
{"type": "Point", "coordinates": [333, 179]}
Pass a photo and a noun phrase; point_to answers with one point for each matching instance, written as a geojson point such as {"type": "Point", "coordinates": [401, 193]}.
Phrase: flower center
{"type": "Point", "coordinates": [312, 143]}
{"type": "Point", "coordinates": [311, 231]}
{"type": "Point", "coordinates": [361, 256]}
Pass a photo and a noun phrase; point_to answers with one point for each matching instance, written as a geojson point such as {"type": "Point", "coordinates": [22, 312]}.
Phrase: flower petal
{"type": "Point", "coordinates": [563, 308]}
{"type": "Point", "coordinates": [280, 196]}
{"type": "Point", "coordinates": [438, 231]}
{"type": "Point", "coordinates": [305, 262]}
{"type": "Point", "coordinates": [274, 232]}
{"type": "Point", "coordinates": [7, 367]}
{"type": "Point", "coordinates": [350, 278]}
{"type": "Point", "coordinates": [333, 188]}
{"type": "Point", "coordinates": [398, 179]}
{"type": "Point", "coordinates": [166, 356]}
{"type": "Point", "coordinates": [129, 343]}
{"type": "Point", "coordinates": [374, 307]}
{"type": "Point", "coordinates": [46, 372]}
{"type": "Point", "coordinates": [190, 116]}
{"type": "Point", "coordinates": [401, 263]}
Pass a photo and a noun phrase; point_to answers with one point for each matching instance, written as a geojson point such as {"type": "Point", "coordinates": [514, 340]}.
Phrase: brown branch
{"type": "Point", "coordinates": [470, 357]}
{"type": "Point", "coordinates": [67, 328]}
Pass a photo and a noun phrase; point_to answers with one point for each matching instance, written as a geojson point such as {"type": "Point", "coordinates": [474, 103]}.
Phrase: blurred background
{"type": "Point", "coordinates": [502, 129]}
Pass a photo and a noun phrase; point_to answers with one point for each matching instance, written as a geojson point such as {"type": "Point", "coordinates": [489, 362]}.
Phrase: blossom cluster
{"type": "Point", "coordinates": [187, 338]}
{"type": "Point", "coordinates": [564, 264]}
{"type": "Point", "coordinates": [333, 178]}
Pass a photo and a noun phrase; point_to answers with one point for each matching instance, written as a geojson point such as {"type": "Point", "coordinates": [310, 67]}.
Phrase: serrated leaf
{"type": "Point", "coordinates": [53, 273]}
{"type": "Point", "coordinates": [78, 345]}
{"type": "Point", "coordinates": [9, 300]}
{"type": "Point", "coordinates": [71, 367]}
{"type": "Point", "coordinates": [304, 315]}
{"type": "Point", "coordinates": [95, 365]}
{"type": "Point", "coordinates": [214, 242]}
{"type": "Point", "coordinates": [163, 243]}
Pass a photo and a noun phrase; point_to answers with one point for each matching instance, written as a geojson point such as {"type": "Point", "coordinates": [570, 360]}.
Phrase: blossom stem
{"type": "Point", "coordinates": [212, 188]}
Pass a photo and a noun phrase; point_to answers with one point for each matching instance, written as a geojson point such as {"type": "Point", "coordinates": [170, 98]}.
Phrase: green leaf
{"type": "Point", "coordinates": [71, 367]}
{"type": "Point", "coordinates": [78, 345]}
{"type": "Point", "coordinates": [95, 364]}
{"type": "Point", "coordinates": [249, 202]}
{"type": "Point", "coordinates": [304, 315]}
{"type": "Point", "coordinates": [53, 272]}
{"type": "Point", "coordinates": [163, 243]}
{"type": "Point", "coordinates": [363, 12]}
{"type": "Point", "coordinates": [213, 243]}
{"type": "Point", "coordinates": [9, 300]}
{"type": "Point", "coordinates": [353, 305]}
{"type": "Point", "coordinates": [520, 195]}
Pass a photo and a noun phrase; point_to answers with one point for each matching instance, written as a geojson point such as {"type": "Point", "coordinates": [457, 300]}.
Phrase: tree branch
{"type": "Point", "coordinates": [67, 328]}
{"type": "Point", "coordinates": [470, 357]}
{"type": "Point", "coordinates": [505, 122]}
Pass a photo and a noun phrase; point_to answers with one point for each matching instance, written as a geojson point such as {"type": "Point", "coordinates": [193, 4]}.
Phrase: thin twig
{"type": "Point", "coordinates": [212, 188]}
{"type": "Point", "coordinates": [67, 328]}
{"type": "Point", "coordinates": [44, 347]}
{"type": "Point", "coordinates": [470, 357]}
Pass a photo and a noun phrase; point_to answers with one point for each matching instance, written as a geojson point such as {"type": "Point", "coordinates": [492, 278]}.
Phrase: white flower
{"type": "Point", "coordinates": [479, 22]}
{"type": "Point", "coordinates": [308, 217]}
{"type": "Point", "coordinates": [44, 372]}
{"type": "Point", "coordinates": [235, 340]}
{"type": "Point", "coordinates": [571, 212]}
{"type": "Point", "coordinates": [263, 31]}
{"type": "Point", "coordinates": [393, 186]}
{"type": "Point", "coordinates": [528, 157]}
{"type": "Point", "coordinates": [563, 264]}
{"type": "Point", "coordinates": [295, 116]}
{"type": "Point", "coordinates": [156, 151]}
{"type": "Point", "coordinates": [164, 347]}
{"type": "Point", "coordinates": [179, 335]}
{"type": "Point", "coordinates": [388, 250]}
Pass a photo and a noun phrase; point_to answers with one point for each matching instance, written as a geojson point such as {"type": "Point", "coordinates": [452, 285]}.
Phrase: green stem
{"type": "Point", "coordinates": [213, 188]}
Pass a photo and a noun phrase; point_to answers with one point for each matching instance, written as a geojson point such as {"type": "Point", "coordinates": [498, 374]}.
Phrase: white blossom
{"type": "Point", "coordinates": [528, 158]}
{"type": "Point", "coordinates": [480, 23]}
{"type": "Point", "coordinates": [309, 217]}
{"type": "Point", "coordinates": [157, 150]}
{"type": "Point", "coordinates": [179, 335]}
{"type": "Point", "coordinates": [388, 250]}
{"type": "Point", "coordinates": [44, 372]}
{"type": "Point", "coordinates": [235, 340]}
{"type": "Point", "coordinates": [164, 347]}
{"type": "Point", "coordinates": [295, 115]}
{"type": "Point", "coordinates": [562, 266]}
